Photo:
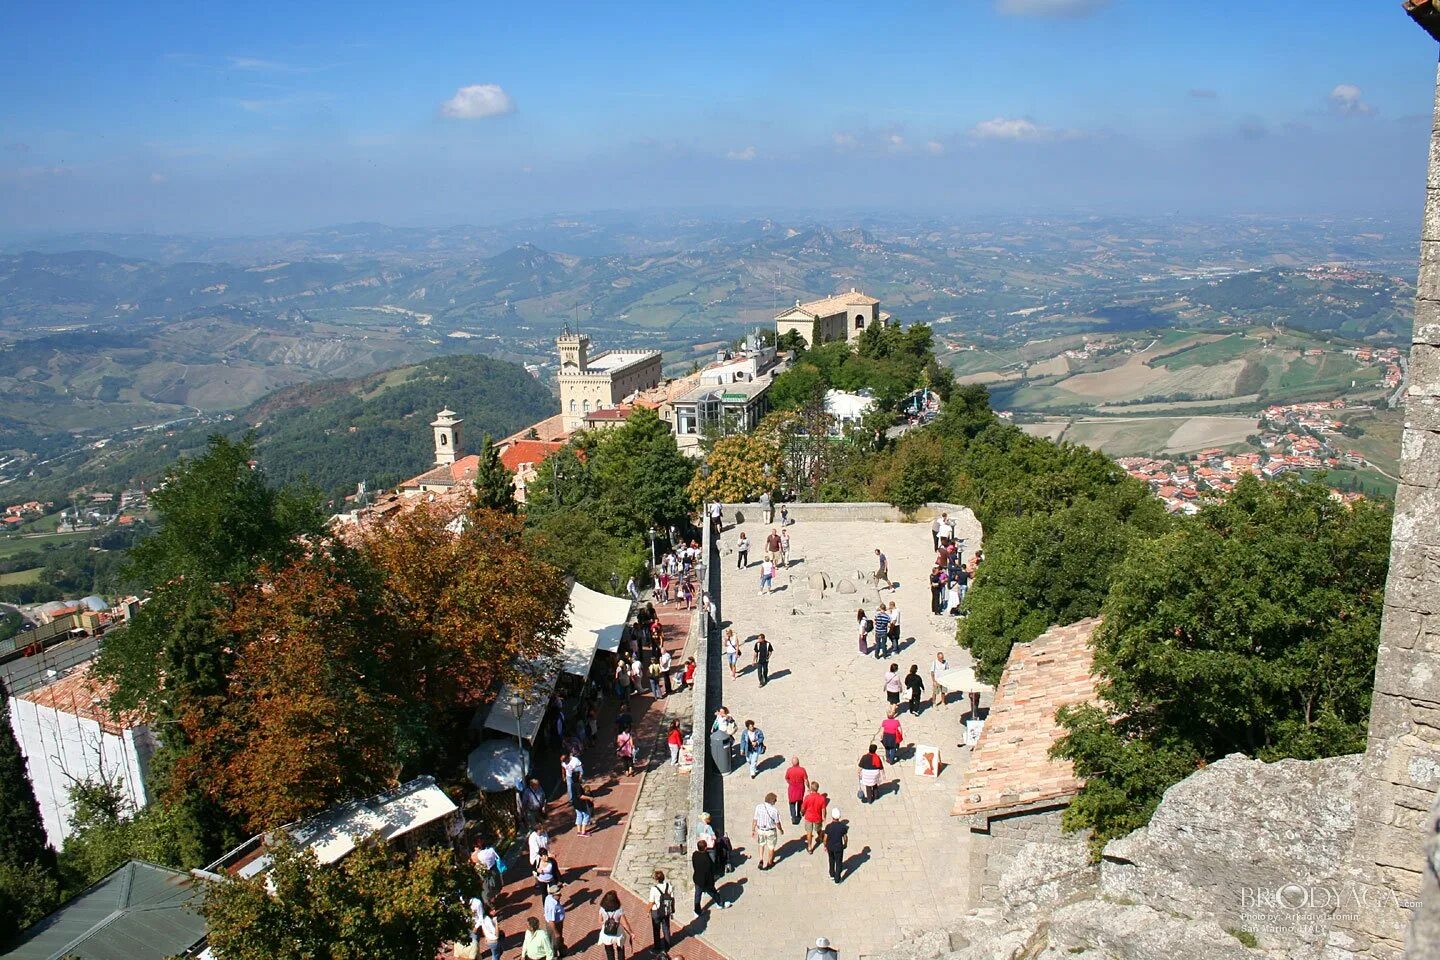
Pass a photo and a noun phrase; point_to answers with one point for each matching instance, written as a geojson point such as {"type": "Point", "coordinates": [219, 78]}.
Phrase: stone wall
{"type": "Point", "coordinates": [872, 512]}
{"type": "Point", "coordinates": [1402, 756]}
{"type": "Point", "coordinates": [707, 679]}
{"type": "Point", "coordinates": [1023, 860]}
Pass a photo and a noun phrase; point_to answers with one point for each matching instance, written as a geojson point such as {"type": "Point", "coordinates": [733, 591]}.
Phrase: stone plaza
{"type": "Point", "coordinates": [905, 867]}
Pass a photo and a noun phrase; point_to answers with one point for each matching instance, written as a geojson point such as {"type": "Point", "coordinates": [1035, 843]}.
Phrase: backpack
{"type": "Point", "coordinates": [611, 925]}
{"type": "Point", "coordinates": [666, 910]}
{"type": "Point", "coordinates": [869, 625]}
{"type": "Point", "coordinates": [489, 885]}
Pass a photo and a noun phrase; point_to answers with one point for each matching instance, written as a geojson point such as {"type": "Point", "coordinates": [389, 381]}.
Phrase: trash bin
{"type": "Point", "coordinates": [720, 750]}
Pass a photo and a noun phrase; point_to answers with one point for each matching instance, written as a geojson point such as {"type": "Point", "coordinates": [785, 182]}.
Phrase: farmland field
{"type": "Point", "coordinates": [20, 577]}
{"type": "Point", "coordinates": [1133, 436]}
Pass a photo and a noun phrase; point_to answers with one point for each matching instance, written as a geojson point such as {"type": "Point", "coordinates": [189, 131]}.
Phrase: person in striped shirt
{"type": "Point", "coordinates": [882, 630]}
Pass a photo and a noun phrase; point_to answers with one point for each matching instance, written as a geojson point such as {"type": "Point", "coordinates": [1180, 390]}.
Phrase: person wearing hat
{"type": "Point", "coordinates": [836, 837]}
{"type": "Point", "coordinates": [822, 951]}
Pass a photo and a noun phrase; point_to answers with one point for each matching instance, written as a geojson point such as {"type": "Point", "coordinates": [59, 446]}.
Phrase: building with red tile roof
{"type": "Point", "coordinates": [1013, 792]}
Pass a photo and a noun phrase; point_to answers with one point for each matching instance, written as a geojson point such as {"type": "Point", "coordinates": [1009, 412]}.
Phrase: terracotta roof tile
{"type": "Point", "coordinates": [85, 696]}
{"type": "Point", "coordinates": [1010, 765]}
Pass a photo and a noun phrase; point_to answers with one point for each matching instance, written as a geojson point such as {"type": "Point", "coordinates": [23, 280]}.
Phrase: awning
{"type": "Point", "coordinates": [960, 679]}
{"type": "Point", "coordinates": [497, 765]}
{"type": "Point", "coordinates": [597, 622]}
{"type": "Point", "coordinates": [501, 715]}
{"type": "Point", "coordinates": [336, 832]}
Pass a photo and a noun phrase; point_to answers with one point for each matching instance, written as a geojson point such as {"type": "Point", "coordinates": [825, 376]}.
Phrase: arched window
{"type": "Point", "coordinates": [587, 406]}
{"type": "Point", "coordinates": [859, 321]}
{"type": "Point", "coordinates": [444, 440]}
{"type": "Point", "coordinates": [572, 406]}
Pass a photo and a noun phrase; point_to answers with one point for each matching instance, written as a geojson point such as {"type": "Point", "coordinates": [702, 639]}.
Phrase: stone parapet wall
{"type": "Point", "coordinates": [1402, 756]}
{"type": "Point", "coordinates": [872, 512]}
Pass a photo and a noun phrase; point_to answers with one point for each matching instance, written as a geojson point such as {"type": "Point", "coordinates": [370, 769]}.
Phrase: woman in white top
{"type": "Point", "coordinates": [732, 652]}
{"type": "Point", "coordinates": [614, 927]}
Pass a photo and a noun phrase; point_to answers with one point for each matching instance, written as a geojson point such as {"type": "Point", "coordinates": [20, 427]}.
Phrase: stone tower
{"type": "Point", "coordinates": [574, 348]}
{"type": "Point", "coordinates": [447, 437]}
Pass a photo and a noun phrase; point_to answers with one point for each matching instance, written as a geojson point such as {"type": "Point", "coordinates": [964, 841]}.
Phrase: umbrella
{"type": "Point", "coordinates": [960, 678]}
{"type": "Point", "coordinates": [496, 766]}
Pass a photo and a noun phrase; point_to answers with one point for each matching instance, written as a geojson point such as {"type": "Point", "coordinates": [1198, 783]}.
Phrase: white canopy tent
{"type": "Point", "coordinates": [597, 622]}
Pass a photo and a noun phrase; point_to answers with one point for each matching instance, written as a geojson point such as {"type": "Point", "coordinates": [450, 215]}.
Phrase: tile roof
{"type": "Point", "coordinates": [838, 303]}
{"type": "Point", "coordinates": [527, 451]}
{"type": "Point", "coordinates": [447, 474]}
{"type": "Point", "coordinates": [550, 429]}
{"type": "Point", "coordinates": [87, 697]}
{"type": "Point", "coordinates": [1010, 765]}
{"type": "Point", "coordinates": [609, 413]}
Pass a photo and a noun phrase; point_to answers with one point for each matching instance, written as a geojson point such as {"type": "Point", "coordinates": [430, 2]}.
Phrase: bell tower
{"type": "Point", "coordinates": [447, 437]}
{"type": "Point", "coordinates": [573, 350]}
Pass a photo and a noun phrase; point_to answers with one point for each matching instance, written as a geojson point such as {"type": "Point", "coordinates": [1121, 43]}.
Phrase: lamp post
{"type": "Point", "coordinates": [651, 531]}
{"type": "Point", "coordinates": [517, 708]}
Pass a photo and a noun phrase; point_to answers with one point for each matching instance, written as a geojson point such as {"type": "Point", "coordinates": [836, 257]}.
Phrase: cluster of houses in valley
{"type": "Point", "coordinates": [1296, 437]}
{"type": "Point", "coordinates": [1389, 357]}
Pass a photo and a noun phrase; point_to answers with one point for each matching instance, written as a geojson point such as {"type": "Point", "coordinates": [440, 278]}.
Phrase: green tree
{"type": "Point", "coordinates": [494, 487]}
{"type": "Point", "coordinates": [797, 387]}
{"type": "Point", "coordinates": [372, 905]}
{"type": "Point", "coordinates": [917, 472]}
{"type": "Point", "coordinates": [1253, 627]}
{"type": "Point", "coordinates": [26, 862]}
{"type": "Point", "coordinates": [107, 831]}
{"type": "Point", "coordinates": [641, 476]}
{"type": "Point", "coordinates": [740, 468]}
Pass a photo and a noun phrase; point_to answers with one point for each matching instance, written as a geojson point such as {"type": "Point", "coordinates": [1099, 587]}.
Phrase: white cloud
{"type": "Point", "coordinates": [478, 101]}
{"type": "Point", "coordinates": [843, 140]}
{"type": "Point", "coordinates": [261, 65]}
{"type": "Point", "coordinates": [1050, 8]}
{"type": "Point", "coordinates": [743, 154]}
{"type": "Point", "coordinates": [896, 141]}
{"type": "Point", "coordinates": [1009, 128]}
{"type": "Point", "coordinates": [158, 178]}
{"type": "Point", "coordinates": [1346, 99]}
{"type": "Point", "coordinates": [934, 147]}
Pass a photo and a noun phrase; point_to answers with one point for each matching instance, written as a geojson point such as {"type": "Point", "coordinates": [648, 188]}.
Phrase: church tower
{"type": "Point", "coordinates": [447, 437]}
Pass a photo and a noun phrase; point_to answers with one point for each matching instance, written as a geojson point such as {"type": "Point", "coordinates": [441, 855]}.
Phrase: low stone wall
{"type": "Point", "coordinates": [1023, 860]}
{"type": "Point", "coordinates": [873, 512]}
{"type": "Point", "coordinates": [701, 630]}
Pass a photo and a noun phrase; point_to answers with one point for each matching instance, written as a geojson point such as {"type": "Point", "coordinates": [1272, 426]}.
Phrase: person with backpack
{"type": "Point", "coordinates": [763, 649]}
{"type": "Point", "coordinates": [662, 909]}
{"type": "Point", "coordinates": [865, 625]}
{"type": "Point", "coordinates": [752, 745]}
{"type": "Point", "coordinates": [614, 927]}
{"type": "Point", "coordinates": [702, 872]}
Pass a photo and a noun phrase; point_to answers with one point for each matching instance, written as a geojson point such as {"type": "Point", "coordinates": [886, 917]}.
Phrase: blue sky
{"type": "Point", "coordinates": [226, 118]}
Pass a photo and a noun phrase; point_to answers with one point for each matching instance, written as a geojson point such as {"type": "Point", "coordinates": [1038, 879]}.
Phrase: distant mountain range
{"type": "Point", "coordinates": [331, 434]}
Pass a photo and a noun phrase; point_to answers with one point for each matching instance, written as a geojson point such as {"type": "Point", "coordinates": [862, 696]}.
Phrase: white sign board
{"type": "Point", "coordinates": [927, 761]}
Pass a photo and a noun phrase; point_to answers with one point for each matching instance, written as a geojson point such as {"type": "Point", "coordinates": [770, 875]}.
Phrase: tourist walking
{"type": "Point", "coordinates": [537, 945]}
{"type": "Point", "coordinates": [795, 781]}
{"type": "Point", "coordinates": [785, 549]}
{"type": "Point", "coordinates": [836, 839]}
{"type": "Point", "coordinates": [536, 844]}
{"type": "Point", "coordinates": [702, 873]}
{"type": "Point", "coordinates": [894, 683]}
{"type": "Point", "coordinates": [871, 767]}
{"type": "Point", "coordinates": [547, 873]}
{"type": "Point", "coordinates": [662, 910]}
{"type": "Point", "coordinates": [767, 575]}
{"type": "Point", "coordinates": [625, 750]}
{"type": "Point", "coordinates": [742, 552]}
{"type": "Point", "coordinates": [766, 830]}
{"type": "Point", "coordinates": [937, 669]}
{"type": "Point", "coordinates": [654, 671]}
{"type": "Point", "coordinates": [675, 739]}
{"type": "Point", "coordinates": [937, 583]}
{"type": "Point", "coordinates": [894, 627]}
{"type": "Point", "coordinates": [572, 771]}
{"type": "Point", "coordinates": [732, 652]}
{"type": "Point", "coordinates": [891, 736]}
{"type": "Point", "coordinates": [485, 924]}
{"type": "Point", "coordinates": [822, 951]}
{"type": "Point", "coordinates": [767, 508]}
{"type": "Point", "coordinates": [763, 649]}
{"type": "Point", "coordinates": [555, 918]}
{"type": "Point", "coordinates": [812, 812]}
{"type": "Point", "coordinates": [882, 629]}
{"type": "Point", "coordinates": [614, 927]}
{"type": "Point", "coordinates": [916, 686]}
{"type": "Point", "coordinates": [864, 623]}
{"type": "Point", "coordinates": [667, 663]}
{"type": "Point", "coordinates": [752, 746]}
{"type": "Point", "coordinates": [882, 570]}
{"type": "Point", "coordinates": [584, 812]}
{"type": "Point", "coordinates": [532, 803]}
{"type": "Point", "coordinates": [772, 545]}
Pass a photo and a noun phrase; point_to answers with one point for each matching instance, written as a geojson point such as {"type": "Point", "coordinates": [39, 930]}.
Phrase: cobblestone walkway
{"type": "Point", "coordinates": [588, 863]}
{"type": "Point", "coordinates": [906, 861]}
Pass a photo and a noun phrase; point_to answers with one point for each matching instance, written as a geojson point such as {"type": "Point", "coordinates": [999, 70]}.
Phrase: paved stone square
{"type": "Point", "coordinates": [824, 703]}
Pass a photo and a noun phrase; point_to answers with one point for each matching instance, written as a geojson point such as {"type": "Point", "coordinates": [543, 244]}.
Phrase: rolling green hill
{"type": "Point", "coordinates": [331, 434]}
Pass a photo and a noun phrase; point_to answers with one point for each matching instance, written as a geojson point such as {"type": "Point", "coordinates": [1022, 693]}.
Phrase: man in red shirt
{"type": "Point", "coordinates": [795, 780]}
{"type": "Point", "coordinates": [812, 810]}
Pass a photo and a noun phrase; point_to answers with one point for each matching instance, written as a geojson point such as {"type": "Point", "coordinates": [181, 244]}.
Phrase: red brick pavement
{"type": "Point", "coordinates": [586, 862]}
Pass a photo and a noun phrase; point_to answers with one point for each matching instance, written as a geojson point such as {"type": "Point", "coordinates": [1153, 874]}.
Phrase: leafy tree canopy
{"type": "Point", "coordinates": [739, 468]}
{"type": "Point", "coordinates": [494, 487]}
{"type": "Point", "coordinates": [1241, 630]}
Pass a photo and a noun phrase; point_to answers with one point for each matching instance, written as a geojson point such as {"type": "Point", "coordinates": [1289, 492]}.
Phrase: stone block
{"type": "Point", "coordinates": [1415, 675]}
{"type": "Point", "coordinates": [1425, 357]}
{"type": "Point", "coordinates": [1422, 413]}
{"type": "Point", "coordinates": [1421, 450]}
{"type": "Point", "coordinates": [1430, 227]}
{"type": "Point", "coordinates": [1427, 322]}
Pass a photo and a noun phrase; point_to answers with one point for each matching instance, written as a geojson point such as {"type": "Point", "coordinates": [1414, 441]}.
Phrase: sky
{"type": "Point", "coordinates": [228, 118]}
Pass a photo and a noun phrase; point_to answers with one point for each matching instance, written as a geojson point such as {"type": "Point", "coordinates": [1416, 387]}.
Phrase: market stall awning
{"type": "Point", "coordinates": [597, 622]}
{"type": "Point", "coordinates": [961, 679]}
{"type": "Point", "coordinates": [500, 717]}
{"type": "Point", "coordinates": [497, 765]}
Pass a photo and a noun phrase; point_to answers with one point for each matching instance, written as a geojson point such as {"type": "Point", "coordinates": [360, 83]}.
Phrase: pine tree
{"type": "Point", "coordinates": [22, 833]}
{"type": "Point", "coordinates": [493, 485]}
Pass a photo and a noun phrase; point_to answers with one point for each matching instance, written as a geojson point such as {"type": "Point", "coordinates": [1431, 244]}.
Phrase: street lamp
{"type": "Point", "coordinates": [651, 531]}
{"type": "Point", "coordinates": [517, 708]}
